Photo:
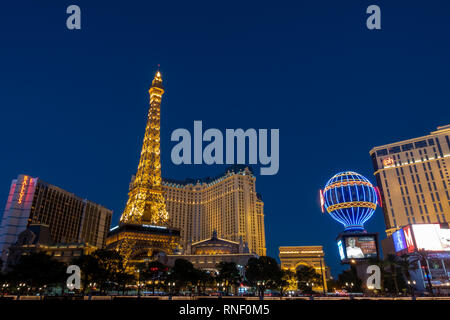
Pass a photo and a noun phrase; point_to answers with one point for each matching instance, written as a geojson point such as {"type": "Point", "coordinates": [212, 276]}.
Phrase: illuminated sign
{"type": "Point", "coordinates": [360, 247]}
{"type": "Point", "coordinates": [22, 189]}
{"type": "Point", "coordinates": [379, 196]}
{"type": "Point", "coordinates": [430, 237]}
{"type": "Point", "coordinates": [341, 250]}
{"type": "Point", "coordinates": [322, 201]}
{"type": "Point", "coordinates": [388, 162]}
{"type": "Point", "coordinates": [357, 246]}
{"type": "Point", "coordinates": [152, 226]}
{"type": "Point", "coordinates": [399, 240]}
{"type": "Point", "coordinates": [409, 238]}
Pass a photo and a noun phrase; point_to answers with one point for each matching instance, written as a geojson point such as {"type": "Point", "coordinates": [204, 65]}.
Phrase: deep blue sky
{"type": "Point", "coordinates": [74, 103]}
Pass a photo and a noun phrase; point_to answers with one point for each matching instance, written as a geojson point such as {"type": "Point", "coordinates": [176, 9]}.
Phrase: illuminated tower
{"type": "Point", "coordinates": [143, 230]}
{"type": "Point", "coordinates": [146, 204]}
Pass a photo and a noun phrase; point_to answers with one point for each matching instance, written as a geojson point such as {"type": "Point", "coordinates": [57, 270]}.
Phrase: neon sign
{"type": "Point", "coordinates": [388, 162]}
{"type": "Point", "coordinates": [379, 196]}
{"type": "Point", "coordinates": [322, 201]}
{"type": "Point", "coordinates": [22, 189]}
{"type": "Point", "coordinates": [399, 240]}
{"type": "Point", "coordinates": [409, 238]}
{"type": "Point", "coordinates": [341, 250]}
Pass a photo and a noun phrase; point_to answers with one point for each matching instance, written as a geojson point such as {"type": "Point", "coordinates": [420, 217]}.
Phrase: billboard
{"type": "Point", "coordinates": [341, 250]}
{"type": "Point", "coordinates": [430, 237]}
{"type": "Point", "coordinates": [357, 246]}
{"type": "Point", "coordinates": [399, 240]}
{"type": "Point", "coordinates": [422, 237]}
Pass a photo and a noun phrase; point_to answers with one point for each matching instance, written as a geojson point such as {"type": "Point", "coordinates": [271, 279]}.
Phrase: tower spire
{"type": "Point", "coordinates": [146, 204]}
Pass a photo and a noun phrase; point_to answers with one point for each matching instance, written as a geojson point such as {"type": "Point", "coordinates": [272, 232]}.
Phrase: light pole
{"type": "Point", "coordinates": [412, 290]}
{"type": "Point", "coordinates": [139, 283]}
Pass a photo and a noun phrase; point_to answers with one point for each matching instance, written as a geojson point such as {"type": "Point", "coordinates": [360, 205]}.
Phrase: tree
{"type": "Point", "coordinates": [183, 274]}
{"type": "Point", "coordinates": [89, 269]}
{"type": "Point", "coordinates": [349, 280]}
{"type": "Point", "coordinates": [332, 285]}
{"type": "Point", "coordinates": [122, 277]}
{"type": "Point", "coordinates": [38, 269]}
{"type": "Point", "coordinates": [287, 281]}
{"type": "Point", "coordinates": [263, 272]}
{"type": "Point", "coordinates": [152, 271]}
{"type": "Point", "coordinates": [110, 264]}
{"type": "Point", "coordinates": [307, 276]}
{"type": "Point", "coordinates": [205, 278]}
{"type": "Point", "coordinates": [391, 264]}
{"type": "Point", "coordinates": [405, 264]}
{"type": "Point", "coordinates": [229, 274]}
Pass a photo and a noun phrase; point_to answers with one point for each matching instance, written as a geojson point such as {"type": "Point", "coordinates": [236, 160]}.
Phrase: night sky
{"type": "Point", "coordinates": [74, 103]}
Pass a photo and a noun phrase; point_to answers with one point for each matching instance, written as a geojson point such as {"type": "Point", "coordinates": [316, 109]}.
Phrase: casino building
{"type": "Point", "coordinates": [70, 219]}
{"type": "Point", "coordinates": [227, 204]}
{"type": "Point", "coordinates": [427, 249]}
{"type": "Point", "coordinates": [413, 179]}
{"type": "Point", "coordinates": [37, 238]}
{"type": "Point", "coordinates": [207, 254]}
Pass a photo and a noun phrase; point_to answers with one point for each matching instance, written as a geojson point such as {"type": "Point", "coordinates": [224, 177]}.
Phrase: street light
{"type": "Point", "coordinates": [411, 285]}
{"type": "Point", "coordinates": [139, 283]}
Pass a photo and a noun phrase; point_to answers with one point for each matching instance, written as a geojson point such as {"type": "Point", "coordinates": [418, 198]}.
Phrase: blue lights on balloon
{"type": "Point", "coordinates": [350, 199]}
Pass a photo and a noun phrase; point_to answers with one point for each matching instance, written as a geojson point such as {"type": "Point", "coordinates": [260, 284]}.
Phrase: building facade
{"type": "Point", "coordinates": [70, 218]}
{"type": "Point", "coordinates": [427, 249]}
{"type": "Point", "coordinates": [293, 258]}
{"type": "Point", "coordinates": [227, 204]}
{"type": "Point", "coordinates": [207, 254]}
{"type": "Point", "coordinates": [36, 238]}
{"type": "Point", "coordinates": [414, 180]}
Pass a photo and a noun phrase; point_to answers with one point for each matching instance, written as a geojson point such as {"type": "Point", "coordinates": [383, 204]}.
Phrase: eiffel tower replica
{"type": "Point", "coordinates": [144, 230]}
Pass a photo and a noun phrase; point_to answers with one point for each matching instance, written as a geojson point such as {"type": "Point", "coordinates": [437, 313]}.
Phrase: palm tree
{"type": "Point", "coordinates": [392, 263]}
{"type": "Point", "coordinates": [405, 264]}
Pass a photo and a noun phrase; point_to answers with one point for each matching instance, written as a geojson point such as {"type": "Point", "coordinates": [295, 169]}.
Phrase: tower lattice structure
{"type": "Point", "coordinates": [146, 204]}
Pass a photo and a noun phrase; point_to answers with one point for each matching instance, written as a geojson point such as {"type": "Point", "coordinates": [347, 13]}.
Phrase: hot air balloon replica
{"type": "Point", "coordinates": [351, 199]}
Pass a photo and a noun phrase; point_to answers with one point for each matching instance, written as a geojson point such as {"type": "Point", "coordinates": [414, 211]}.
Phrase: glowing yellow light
{"type": "Point", "coordinates": [22, 189]}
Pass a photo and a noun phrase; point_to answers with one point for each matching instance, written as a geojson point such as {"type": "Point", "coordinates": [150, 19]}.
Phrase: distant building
{"type": "Point", "coordinates": [228, 204]}
{"type": "Point", "coordinates": [37, 238]}
{"type": "Point", "coordinates": [70, 218]}
{"type": "Point", "coordinates": [427, 249]}
{"type": "Point", "coordinates": [293, 258]}
{"type": "Point", "coordinates": [413, 179]}
{"type": "Point", "coordinates": [207, 254]}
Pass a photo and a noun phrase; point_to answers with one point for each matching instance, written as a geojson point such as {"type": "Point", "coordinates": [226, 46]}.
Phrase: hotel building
{"type": "Point", "coordinates": [413, 179]}
{"type": "Point", "coordinates": [207, 254]}
{"type": "Point", "coordinates": [70, 218]}
{"type": "Point", "coordinates": [227, 204]}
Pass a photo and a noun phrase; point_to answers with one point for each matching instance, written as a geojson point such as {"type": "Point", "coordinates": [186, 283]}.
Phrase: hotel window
{"type": "Point", "coordinates": [394, 150]}
{"type": "Point", "coordinates": [406, 147]}
{"type": "Point", "coordinates": [421, 144]}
